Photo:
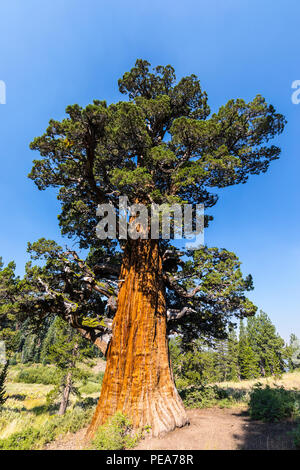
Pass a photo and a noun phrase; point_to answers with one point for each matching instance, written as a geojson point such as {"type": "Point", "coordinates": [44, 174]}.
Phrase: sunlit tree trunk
{"type": "Point", "coordinates": [66, 394]}
{"type": "Point", "coordinates": [138, 380]}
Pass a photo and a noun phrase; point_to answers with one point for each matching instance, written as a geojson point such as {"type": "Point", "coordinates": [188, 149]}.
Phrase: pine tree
{"type": "Point", "coordinates": [267, 345]}
{"type": "Point", "coordinates": [247, 359]}
{"type": "Point", "coordinates": [233, 353]}
{"type": "Point", "coordinates": [66, 352]}
{"type": "Point", "coordinates": [8, 296]}
{"type": "Point", "coordinates": [293, 353]}
{"type": "Point", "coordinates": [47, 342]}
{"type": "Point", "coordinates": [3, 376]}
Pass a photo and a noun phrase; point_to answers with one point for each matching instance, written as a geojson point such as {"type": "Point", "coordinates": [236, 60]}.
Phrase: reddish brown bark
{"type": "Point", "coordinates": [138, 380]}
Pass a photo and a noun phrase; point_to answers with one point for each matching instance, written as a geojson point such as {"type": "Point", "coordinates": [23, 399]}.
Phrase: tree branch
{"type": "Point", "coordinates": [181, 291]}
{"type": "Point", "coordinates": [174, 314]}
{"type": "Point", "coordinates": [98, 335]}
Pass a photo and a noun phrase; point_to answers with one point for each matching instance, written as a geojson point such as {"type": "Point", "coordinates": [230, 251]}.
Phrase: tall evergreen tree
{"type": "Point", "coordinates": [294, 353]}
{"type": "Point", "coordinates": [8, 297]}
{"type": "Point", "coordinates": [233, 353]}
{"type": "Point", "coordinates": [49, 340]}
{"type": "Point", "coordinates": [267, 345]}
{"type": "Point", "coordinates": [161, 146]}
{"type": "Point", "coordinates": [247, 359]}
{"type": "Point", "coordinates": [3, 376]}
{"type": "Point", "coordinates": [66, 352]}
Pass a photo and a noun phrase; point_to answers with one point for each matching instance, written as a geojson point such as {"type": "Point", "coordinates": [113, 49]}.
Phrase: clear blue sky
{"type": "Point", "coordinates": [55, 53]}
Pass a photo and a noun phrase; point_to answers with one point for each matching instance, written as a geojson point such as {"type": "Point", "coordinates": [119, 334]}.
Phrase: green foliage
{"type": "Point", "coordinates": [24, 440]}
{"type": "Point", "coordinates": [38, 375]}
{"type": "Point", "coordinates": [35, 438]}
{"type": "Point", "coordinates": [3, 377]}
{"type": "Point", "coordinates": [259, 351]}
{"type": "Point", "coordinates": [273, 404]}
{"type": "Point", "coordinates": [8, 305]}
{"type": "Point", "coordinates": [89, 388]}
{"type": "Point", "coordinates": [247, 359]}
{"type": "Point", "coordinates": [116, 434]}
{"type": "Point", "coordinates": [267, 346]}
{"type": "Point", "coordinates": [163, 140]}
{"type": "Point", "coordinates": [162, 145]}
{"type": "Point", "coordinates": [206, 396]}
{"type": "Point", "coordinates": [293, 353]}
{"type": "Point", "coordinates": [66, 350]}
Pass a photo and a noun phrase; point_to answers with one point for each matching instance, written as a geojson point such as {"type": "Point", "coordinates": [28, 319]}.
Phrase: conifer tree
{"type": "Point", "coordinates": [293, 353]}
{"type": "Point", "coordinates": [48, 341]}
{"type": "Point", "coordinates": [8, 296]}
{"type": "Point", "coordinates": [3, 376]}
{"type": "Point", "coordinates": [267, 345]}
{"type": "Point", "coordinates": [233, 353]}
{"type": "Point", "coordinates": [66, 352]}
{"type": "Point", "coordinates": [248, 361]}
{"type": "Point", "coordinates": [161, 145]}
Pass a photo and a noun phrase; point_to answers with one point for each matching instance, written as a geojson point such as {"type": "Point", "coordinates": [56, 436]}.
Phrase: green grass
{"type": "Point", "coordinates": [35, 437]}
{"type": "Point", "coordinates": [28, 422]}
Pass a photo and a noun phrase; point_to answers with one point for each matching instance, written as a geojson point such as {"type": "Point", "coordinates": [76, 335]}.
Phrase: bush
{"type": "Point", "coordinates": [198, 397]}
{"type": "Point", "coordinates": [115, 435]}
{"type": "Point", "coordinates": [273, 404]}
{"type": "Point", "coordinates": [205, 396]}
{"type": "Point", "coordinates": [38, 375]}
{"type": "Point", "coordinates": [24, 440]}
{"type": "Point", "coordinates": [33, 438]}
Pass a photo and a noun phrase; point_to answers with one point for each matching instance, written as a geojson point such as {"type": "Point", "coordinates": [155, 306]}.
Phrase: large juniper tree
{"type": "Point", "coordinates": [161, 145]}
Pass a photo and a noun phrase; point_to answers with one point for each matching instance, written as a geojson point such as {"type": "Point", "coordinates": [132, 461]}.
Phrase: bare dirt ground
{"type": "Point", "coordinates": [209, 429]}
{"type": "Point", "coordinates": [224, 429]}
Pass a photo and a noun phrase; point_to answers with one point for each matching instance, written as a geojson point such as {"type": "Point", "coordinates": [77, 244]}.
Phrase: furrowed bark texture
{"type": "Point", "coordinates": [138, 380]}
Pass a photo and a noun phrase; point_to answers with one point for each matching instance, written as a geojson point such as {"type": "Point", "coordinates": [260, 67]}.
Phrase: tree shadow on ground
{"type": "Point", "coordinates": [258, 435]}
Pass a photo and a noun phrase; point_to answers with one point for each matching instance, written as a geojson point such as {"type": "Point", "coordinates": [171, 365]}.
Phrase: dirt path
{"type": "Point", "coordinates": [209, 429]}
{"type": "Point", "coordinates": [69, 442]}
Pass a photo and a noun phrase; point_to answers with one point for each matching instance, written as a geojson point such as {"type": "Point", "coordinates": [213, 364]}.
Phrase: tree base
{"type": "Point", "coordinates": [138, 380]}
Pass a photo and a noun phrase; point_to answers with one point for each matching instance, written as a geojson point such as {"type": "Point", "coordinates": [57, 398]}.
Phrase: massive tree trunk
{"type": "Point", "coordinates": [138, 380]}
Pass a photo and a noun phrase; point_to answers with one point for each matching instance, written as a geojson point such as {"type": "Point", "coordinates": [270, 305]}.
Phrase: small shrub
{"type": "Point", "coordinates": [23, 440]}
{"type": "Point", "coordinates": [115, 435]}
{"type": "Point", "coordinates": [199, 397]}
{"type": "Point", "coordinates": [205, 396]}
{"type": "Point", "coordinates": [86, 403]}
{"type": "Point", "coordinates": [38, 375]}
{"type": "Point", "coordinates": [273, 404]}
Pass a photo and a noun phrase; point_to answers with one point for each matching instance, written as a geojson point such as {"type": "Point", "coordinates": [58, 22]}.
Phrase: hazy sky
{"type": "Point", "coordinates": [55, 53]}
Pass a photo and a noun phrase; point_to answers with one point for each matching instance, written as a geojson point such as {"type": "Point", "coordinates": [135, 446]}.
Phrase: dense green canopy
{"type": "Point", "coordinates": [161, 145]}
